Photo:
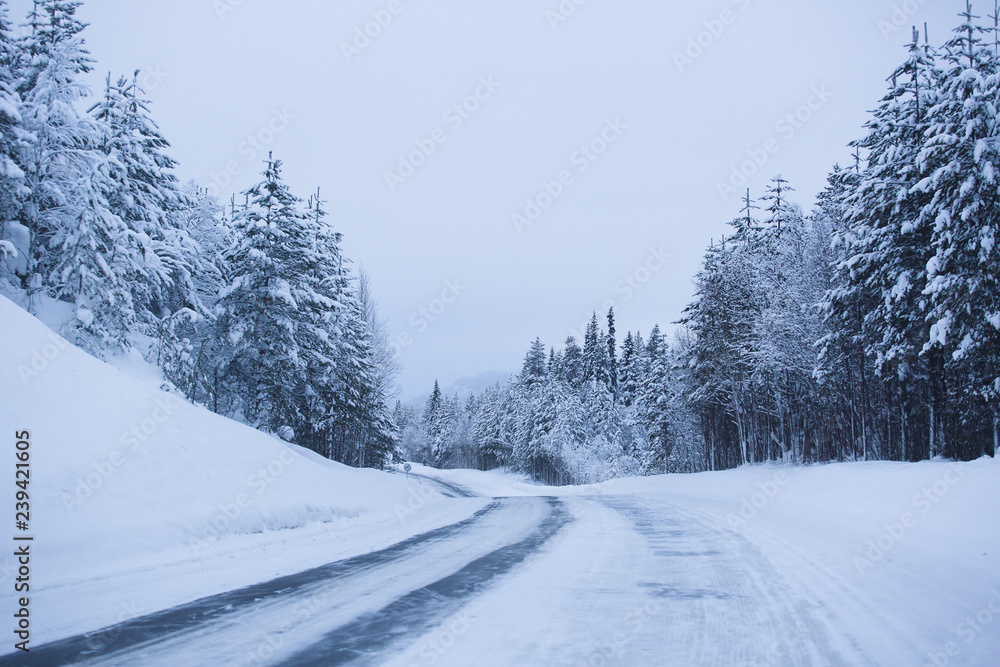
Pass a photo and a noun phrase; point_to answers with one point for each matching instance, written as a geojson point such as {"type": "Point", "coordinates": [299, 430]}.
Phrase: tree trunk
{"type": "Point", "coordinates": [932, 446]}
{"type": "Point", "coordinates": [739, 430]}
{"type": "Point", "coordinates": [903, 424]}
{"type": "Point", "coordinates": [864, 408]}
{"type": "Point", "coordinates": [936, 405]}
{"type": "Point", "coordinates": [996, 432]}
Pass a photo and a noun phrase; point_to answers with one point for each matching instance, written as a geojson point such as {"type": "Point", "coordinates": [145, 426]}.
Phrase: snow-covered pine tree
{"type": "Point", "coordinates": [555, 366]}
{"type": "Point", "coordinates": [362, 425]}
{"type": "Point", "coordinates": [147, 198]}
{"type": "Point", "coordinates": [961, 167]}
{"type": "Point", "coordinates": [57, 151]}
{"type": "Point", "coordinates": [534, 371]}
{"type": "Point", "coordinates": [535, 413]}
{"type": "Point", "coordinates": [464, 451]}
{"type": "Point", "coordinates": [779, 208]}
{"type": "Point", "coordinates": [889, 240]}
{"type": "Point", "coordinates": [330, 399]}
{"type": "Point", "coordinates": [78, 247]}
{"type": "Point", "coordinates": [92, 262]}
{"type": "Point", "coordinates": [11, 175]}
{"type": "Point", "coordinates": [379, 385]}
{"type": "Point", "coordinates": [565, 440]}
{"type": "Point", "coordinates": [434, 424]}
{"type": "Point", "coordinates": [383, 355]}
{"type": "Point", "coordinates": [573, 366]}
{"type": "Point", "coordinates": [612, 344]}
{"type": "Point", "coordinates": [268, 311]}
{"type": "Point", "coordinates": [203, 218]}
{"type": "Point", "coordinates": [688, 453]}
{"type": "Point", "coordinates": [544, 458]}
{"type": "Point", "coordinates": [595, 354]}
{"type": "Point", "coordinates": [630, 371]}
{"type": "Point", "coordinates": [607, 449]}
{"type": "Point", "coordinates": [730, 298]}
{"type": "Point", "coordinates": [193, 364]}
{"type": "Point", "coordinates": [844, 369]}
{"type": "Point", "coordinates": [655, 404]}
{"type": "Point", "coordinates": [492, 428]}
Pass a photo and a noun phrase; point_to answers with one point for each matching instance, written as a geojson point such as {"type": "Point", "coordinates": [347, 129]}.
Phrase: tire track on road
{"type": "Point", "coordinates": [365, 639]}
{"type": "Point", "coordinates": [193, 615]}
{"type": "Point", "coordinates": [731, 605]}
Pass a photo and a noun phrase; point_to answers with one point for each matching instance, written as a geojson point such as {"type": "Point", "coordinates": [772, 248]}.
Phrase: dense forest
{"type": "Point", "coordinates": [251, 310]}
{"type": "Point", "coordinates": [868, 329]}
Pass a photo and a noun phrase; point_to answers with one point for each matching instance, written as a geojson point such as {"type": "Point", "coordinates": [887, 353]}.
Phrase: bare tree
{"type": "Point", "coordinates": [386, 363]}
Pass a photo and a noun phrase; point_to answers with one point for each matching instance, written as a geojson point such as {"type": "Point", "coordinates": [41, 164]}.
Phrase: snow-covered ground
{"type": "Point", "coordinates": [141, 503]}
{"type": "Point", "coordinates": [855, 563]}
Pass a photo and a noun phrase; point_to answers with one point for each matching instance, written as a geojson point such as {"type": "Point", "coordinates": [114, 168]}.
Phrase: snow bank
{"type": "Point", "coordinates": [943, 507]}
{"type": "Point", "coordinates": [940, 508]}
{"type": "Point", "coordinates": [125, 477]}
{"type": "Point", "coordinates": [916, 545]}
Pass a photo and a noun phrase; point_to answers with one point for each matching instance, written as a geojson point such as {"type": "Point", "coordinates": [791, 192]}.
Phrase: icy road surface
{"type": "Point", "coordinates": [631, 579]}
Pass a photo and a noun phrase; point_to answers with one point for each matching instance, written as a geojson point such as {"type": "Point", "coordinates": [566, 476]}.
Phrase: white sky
{"type": "Point", "coordinates": [226, 66]}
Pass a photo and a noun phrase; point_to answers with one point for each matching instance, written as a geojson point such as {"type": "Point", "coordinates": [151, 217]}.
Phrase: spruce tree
{"type": "Point", "coordinates": [595, 354]}
{"type": "Point", "coordinates": [58, 152]}
{"type": "Point", "coordinates": [889, 240]}
{"type": "Point", "coordinates": [844, 367]}
{"type": "Point", "coordinates": [629, 372]}
{"type": "Point", "coordinates": [961, 167]}
{"type": "Point", "coordinates": [11, 175]}
{"type": "Point", "coordinates": [434, 424]}
{"type": "Point", "coordinates": [534, 371]}
{"type": "Point", "coordinates": [777, 194]}
{"type": "Point", "coordinates": [655, 404]}
{"type": "Point", "coordinates": [612, 354]}
{"type": "Point", "coordinates": [146, 197]}
{"type": "Point", "coordinates": [573, 367]}
{"type": "Point", "coordinates": [268, 309]}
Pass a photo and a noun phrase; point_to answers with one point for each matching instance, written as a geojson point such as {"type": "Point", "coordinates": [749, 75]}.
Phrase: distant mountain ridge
{"type": "Point", "coordinates": [464, 387]}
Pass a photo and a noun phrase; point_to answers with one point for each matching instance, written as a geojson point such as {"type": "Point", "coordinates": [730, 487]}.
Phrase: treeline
{"type": "Point", "coordinates": [252, 310]}
{"type": "Point", "coordinates": [575, 415]}
{"type": "Point", "coordinates": [869, 329]}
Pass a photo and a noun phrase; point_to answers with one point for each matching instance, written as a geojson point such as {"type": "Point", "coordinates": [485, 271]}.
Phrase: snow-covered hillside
{"type": "Point", "coordinates": [159, 501]}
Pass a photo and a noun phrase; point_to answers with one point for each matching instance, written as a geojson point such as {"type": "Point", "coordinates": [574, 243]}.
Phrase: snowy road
{"type": "Point", "coordinates": [588, 580]}
{"type": "Point", "coordinates": [332, 614]}
{"type": "Point", "coordinates": [639, 581]}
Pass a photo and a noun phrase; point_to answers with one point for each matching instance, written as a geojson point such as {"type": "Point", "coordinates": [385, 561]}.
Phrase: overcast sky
{"type": "Point", "coordinates": [620, 119]}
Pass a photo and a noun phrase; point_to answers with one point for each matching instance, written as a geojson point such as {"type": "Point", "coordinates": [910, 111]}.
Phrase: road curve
{"type": "Point", "coordinates": [331, 614]}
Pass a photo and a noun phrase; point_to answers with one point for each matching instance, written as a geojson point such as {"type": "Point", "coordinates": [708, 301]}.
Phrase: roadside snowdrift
{"type": "Point", "coordinates": [872, 512]}
{"type": "Point", "coordinates": [916, 545]}
{"type": "Point", "coordinates": [128, 479]}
